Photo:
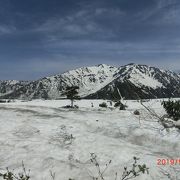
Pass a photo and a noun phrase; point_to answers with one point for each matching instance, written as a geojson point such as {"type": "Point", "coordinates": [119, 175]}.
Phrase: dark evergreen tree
{"type": "Point", "coordinates": [72, 93]}
{"type": "Point", "coordinates": [172, 108]}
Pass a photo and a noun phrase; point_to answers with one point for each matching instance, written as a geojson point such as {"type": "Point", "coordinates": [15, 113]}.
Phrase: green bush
{"type": "Point", "coordinates": [172, 108]}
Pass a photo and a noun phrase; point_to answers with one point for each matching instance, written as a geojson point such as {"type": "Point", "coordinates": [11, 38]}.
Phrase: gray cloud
{"type": "Point", "coordinates": [38, 38]}
{"type": "Point", "coordinates": [6, 30]}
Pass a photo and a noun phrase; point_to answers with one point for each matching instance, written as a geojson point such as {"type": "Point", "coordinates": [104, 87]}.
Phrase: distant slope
{"type": "Point", "coordinates": [9, 88]}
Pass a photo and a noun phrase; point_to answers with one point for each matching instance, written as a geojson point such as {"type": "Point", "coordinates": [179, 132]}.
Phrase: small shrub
{"type": "Point", "coordinates": [172, 108]}
{"type": "Point", "coordinates": [76, 106]}
{"type": "Point", "coordinates": [136, 170]}
{"type": "Point", "coordinates": [117, 104]}
{"type": "Point", "coordinates": [136, 112]}
{"type": "Point", "coordinates": [2, 101]}
{"type": "Point", "coordinates": [128, 173]}
{"type": "Point", "coordinates": [70, 107]}
{"type": "Point", "coordinates": [120, 105]}
{"type": "Point", "coordinates": [103, 105]}
{"type": "Point", "coordinates": [9, 175]}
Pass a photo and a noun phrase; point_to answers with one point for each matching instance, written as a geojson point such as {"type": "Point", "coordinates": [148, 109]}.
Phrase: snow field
{"type": "Point", "coordinates": [47, 137]}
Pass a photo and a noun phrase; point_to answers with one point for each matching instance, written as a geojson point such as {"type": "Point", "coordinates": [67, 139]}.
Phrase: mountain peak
{"type": "Point", "coordinates": [102, 65]}
{"type": "Point", "coordinates": [137, 65]}
{"type": "Point", "coordinates": [130, 64]}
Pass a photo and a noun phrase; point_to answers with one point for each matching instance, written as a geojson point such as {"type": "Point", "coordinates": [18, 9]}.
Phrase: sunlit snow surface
{"type": "Point", "coordinates": [37, 132]}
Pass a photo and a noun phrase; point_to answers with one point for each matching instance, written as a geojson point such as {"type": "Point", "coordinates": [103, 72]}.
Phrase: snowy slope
{"type": "Point", "coordinates": [90, 79]}
{"type": "Point", "coordinates": [142, 76]}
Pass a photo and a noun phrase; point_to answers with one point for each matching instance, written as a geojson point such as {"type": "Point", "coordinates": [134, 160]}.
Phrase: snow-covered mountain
{"type": "Point", "coordinates": [102, 81]}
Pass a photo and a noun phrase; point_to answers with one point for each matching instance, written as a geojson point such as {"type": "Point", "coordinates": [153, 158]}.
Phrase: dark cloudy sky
{"type": "Point", "coordinates": [44, 37]}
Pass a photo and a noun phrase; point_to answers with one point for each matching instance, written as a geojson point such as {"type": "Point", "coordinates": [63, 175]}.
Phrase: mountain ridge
{"type": "Point", "coordinates": [133, 81]}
